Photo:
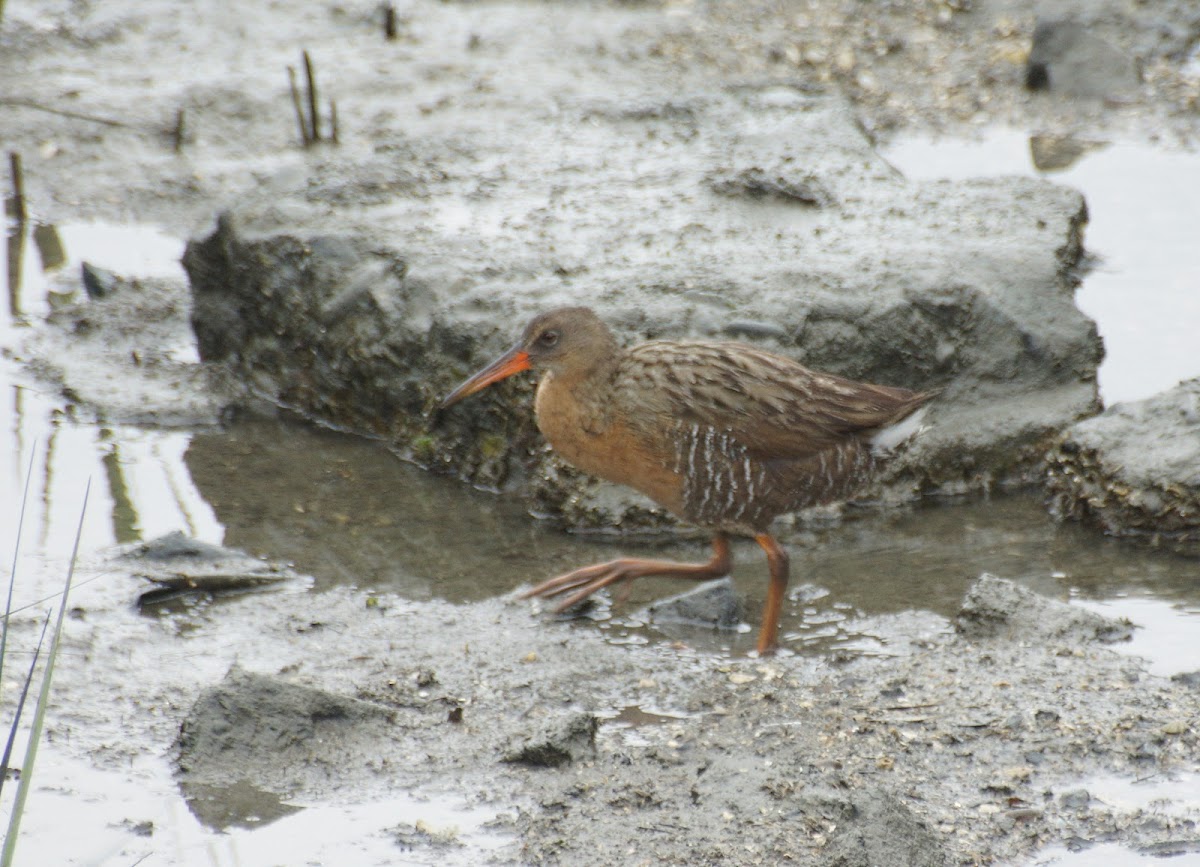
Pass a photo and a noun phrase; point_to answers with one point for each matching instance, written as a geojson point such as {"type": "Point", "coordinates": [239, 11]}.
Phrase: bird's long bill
{"type": "Point", "coordinates": [513, 361]}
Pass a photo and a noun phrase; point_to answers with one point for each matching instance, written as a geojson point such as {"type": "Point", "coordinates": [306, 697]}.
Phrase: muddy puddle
{"type": "Point", "coordinates": [347, 513]}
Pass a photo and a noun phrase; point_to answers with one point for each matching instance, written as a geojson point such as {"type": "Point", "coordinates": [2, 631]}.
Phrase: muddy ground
{"type": "Point", "coordinates": [967, 745]}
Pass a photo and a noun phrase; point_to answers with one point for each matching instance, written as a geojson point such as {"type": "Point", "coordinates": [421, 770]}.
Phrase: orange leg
{"type": "Point", "coordinates": [777, 560]}
{"type": "Point", "coordinates": [586, 581]}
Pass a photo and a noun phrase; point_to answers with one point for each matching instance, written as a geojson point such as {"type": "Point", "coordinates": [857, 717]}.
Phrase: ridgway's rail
{"type": "Point", "coordinates": [724, 435]}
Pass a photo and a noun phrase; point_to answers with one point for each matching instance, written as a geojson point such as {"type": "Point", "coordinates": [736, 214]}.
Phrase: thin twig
{"type": "Point", "coordinates": [35, 602]}
{"type": "Point", "coordinates": [304, 140]}
{"type": "Point", "coordinates": [333, 122]}
{"type": "Point", "coordinates": [314, 113]}
{"type": "Point", "coordinates": [62, 112]}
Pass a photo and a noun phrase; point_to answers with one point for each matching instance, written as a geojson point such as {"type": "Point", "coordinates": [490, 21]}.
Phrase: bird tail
{"type": "Point", "coordinates": [887, 439]}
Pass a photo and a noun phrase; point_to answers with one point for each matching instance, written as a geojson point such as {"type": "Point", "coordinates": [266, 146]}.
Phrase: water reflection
{"type": "Point", "coordinates": [142, 488]}
{"type": "Point", "coordinates": [1110, 855]}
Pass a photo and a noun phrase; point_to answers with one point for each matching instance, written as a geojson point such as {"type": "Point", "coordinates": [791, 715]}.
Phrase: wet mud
{"type": "Point", "coordinates": [973, 722]}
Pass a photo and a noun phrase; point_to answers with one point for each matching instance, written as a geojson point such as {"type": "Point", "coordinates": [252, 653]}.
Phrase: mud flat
{"type": "Point", "coordinates": [702, 169]}
{"type": "Point", "coordinates": [979, 745]}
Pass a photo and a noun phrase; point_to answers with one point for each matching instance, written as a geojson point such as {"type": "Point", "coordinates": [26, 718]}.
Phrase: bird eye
{"type": "Point", "coordinates": [548, 339]}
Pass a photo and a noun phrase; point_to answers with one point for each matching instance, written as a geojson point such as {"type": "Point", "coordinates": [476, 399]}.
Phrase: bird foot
{"type": "Point", "coordinates": [582, 583]}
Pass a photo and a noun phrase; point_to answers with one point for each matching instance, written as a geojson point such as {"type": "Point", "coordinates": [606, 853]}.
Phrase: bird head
{"type": "Point", "coordinates": [557, 340]}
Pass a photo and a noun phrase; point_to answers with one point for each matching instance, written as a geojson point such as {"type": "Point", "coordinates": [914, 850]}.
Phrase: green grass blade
{"type": "Point", "coordinates": [39, 711]}
{"type": "Point", "coordinates": [12, 578]}
{"type": "Point", "coordinates": [12, 730]}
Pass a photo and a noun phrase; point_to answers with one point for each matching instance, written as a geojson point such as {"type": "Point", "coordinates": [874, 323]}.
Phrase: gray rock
{"type": "Point", "coordinates": [178, 546]}
{"type": "Point", "coordinates": [1134, 470]}
{"type": "Point", "coordinates": [178, 564]}
{"type": "Point", "coordinates": [714, 604]}
{"type": "Point", "coordinates": [995, 608]}
{"type": "Point", "coordinates": [276, 735]}
{"type": "Point", "coordinates": [1068, 58]}
{"type": "Point", "coordinates": [363, 319]}
{"type": "Point", "coordinates": [558, 741]}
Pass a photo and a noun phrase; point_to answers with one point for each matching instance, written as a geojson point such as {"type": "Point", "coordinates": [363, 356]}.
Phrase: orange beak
{"type": "Point", "coordinates": [513, 361]}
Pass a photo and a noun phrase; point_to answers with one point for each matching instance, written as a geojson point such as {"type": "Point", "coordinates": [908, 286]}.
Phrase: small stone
{"type": "Point", "coordinates": [558, 742]}
{"type": "Point", "coordinates": [1076, 799]}
{"type": "Point", "coordinates": [99, 282]}
{"type": "Point", "coordinates": [714, 604]}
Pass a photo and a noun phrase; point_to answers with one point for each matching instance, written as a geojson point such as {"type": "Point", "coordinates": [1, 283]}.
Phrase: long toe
{"type": "Point", "coordinates": [591, 587]}
{"type": "Point", "coordinates": [569, 581]}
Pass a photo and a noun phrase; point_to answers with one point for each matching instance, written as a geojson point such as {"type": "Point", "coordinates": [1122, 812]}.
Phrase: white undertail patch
{"type": "Point", "coordinates": [888, 438]}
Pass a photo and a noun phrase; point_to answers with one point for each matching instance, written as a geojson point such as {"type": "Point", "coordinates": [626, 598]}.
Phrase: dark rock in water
{"type": "Point", "coordinates": [714, 604]}
{"type": "Point", "coordinates": [1134, 470]}
{"type": "Point", "coordinates": [1068, 58]}
{"type": "Point", "coordinates": [559, 741]}
{"type": "Point", "coordinates": [365, 323]}
{"type": "Point", "coordinates": [99, 282]}
{"type": "Point", "coordinates": [998, 608]}
{"type": "Point", "coordinates": [178, 564]}
{"type": "Point", "coordinates": [1075, 799]}
{"type": "Point", "coordinates": [176, 545]}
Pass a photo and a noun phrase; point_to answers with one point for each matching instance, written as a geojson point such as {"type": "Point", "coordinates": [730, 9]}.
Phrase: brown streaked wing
{"type": "Point", "coordinates": [775, 407]}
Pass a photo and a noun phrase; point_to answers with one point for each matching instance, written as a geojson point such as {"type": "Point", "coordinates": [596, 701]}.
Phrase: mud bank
{"type": "Point", "coordinates": [363, 320]}
{"type": "Point", "coordinates": [978, 747]}
{"type": "Point", "coordinates": [1134, 470]}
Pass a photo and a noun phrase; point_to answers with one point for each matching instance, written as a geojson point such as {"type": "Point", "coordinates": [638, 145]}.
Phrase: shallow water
{"type": "Point", "coordinates": [98, 805]}
{"type": "Point", "coordinates": [348, 513]}
{"type": "Point", "coordinates": [1173, 798]}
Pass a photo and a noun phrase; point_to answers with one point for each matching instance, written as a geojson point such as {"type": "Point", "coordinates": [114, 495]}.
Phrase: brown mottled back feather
{"type": "Point", "coordinates": [772, 406]}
